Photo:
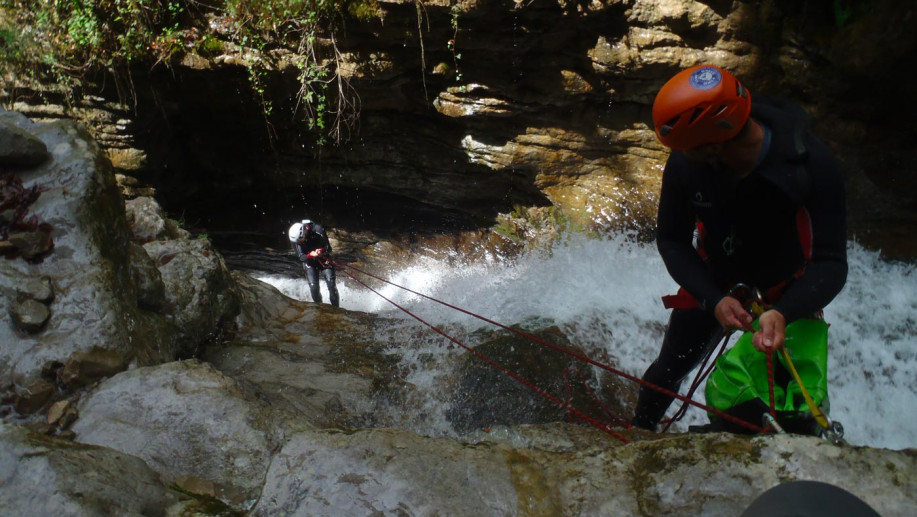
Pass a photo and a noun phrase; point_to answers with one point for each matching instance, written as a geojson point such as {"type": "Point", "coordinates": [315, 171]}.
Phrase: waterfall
{"type": "Point", "coordinates": [605, 296]}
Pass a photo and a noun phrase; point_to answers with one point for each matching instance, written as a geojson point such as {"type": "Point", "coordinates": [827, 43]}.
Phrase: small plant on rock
{"type": "Point", "coordinates": [21, 235]}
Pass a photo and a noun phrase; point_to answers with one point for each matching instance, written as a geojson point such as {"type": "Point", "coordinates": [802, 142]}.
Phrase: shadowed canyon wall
{"type": "Point", "coordinates": [472, 109]}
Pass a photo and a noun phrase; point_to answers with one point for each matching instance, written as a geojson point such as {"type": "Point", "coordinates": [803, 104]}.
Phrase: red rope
{"type": "Point", "coordinates": [602, 426]}
{"type": "Point", "coordinates": [532, 337]}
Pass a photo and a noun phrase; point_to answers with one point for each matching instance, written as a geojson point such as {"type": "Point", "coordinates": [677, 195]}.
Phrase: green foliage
{"type": "Point", "coordinates": [67, 40]}
{"type": "Point", "coordinates": [78, 35]}
{"type": "Point", "coordinates": [11, 44]}
{"type": "Point", "coordinates": [456, 55]}
{"type": "Point", "coordinates": [846, 10]}
{"type": "Point", "coordinates": [209, 46]}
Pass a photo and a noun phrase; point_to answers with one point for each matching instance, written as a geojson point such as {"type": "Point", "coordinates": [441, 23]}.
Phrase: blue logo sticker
{"type": "Point", "coordinates": [705, 78]}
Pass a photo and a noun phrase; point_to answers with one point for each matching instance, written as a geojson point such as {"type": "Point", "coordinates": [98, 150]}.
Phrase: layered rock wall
{"type": "Point", "coordinates": [472, 109]}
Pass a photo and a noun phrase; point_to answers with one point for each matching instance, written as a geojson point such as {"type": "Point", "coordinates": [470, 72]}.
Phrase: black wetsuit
{"type": "Point", "coordinates": [315, 239]}
{"type": "Point", "coordinates": [751, 236]}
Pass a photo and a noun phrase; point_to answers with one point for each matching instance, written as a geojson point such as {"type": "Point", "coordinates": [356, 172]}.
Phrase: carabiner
{"type": "Point", "coordinates": [834, 433]}
{"type": "Point", "coordinates": [750, 297]}
{"type": "Point", "coordinates": [769, 422]}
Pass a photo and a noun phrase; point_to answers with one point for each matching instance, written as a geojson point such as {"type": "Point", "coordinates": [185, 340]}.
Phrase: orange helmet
{"type": "Point", "coordinates": [700, 105]}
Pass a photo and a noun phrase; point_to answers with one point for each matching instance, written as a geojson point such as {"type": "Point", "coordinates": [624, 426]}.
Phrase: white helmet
{"type": "Point", "coordinates": [296, 232]}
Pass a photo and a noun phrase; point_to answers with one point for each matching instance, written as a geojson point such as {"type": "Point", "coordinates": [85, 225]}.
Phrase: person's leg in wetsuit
{"type": "Point", "coordinates": [330, 277]}
{"type": "Point", "coordinates": [691, 332]}
{"type": "Point", "coordinates": [312, 277]}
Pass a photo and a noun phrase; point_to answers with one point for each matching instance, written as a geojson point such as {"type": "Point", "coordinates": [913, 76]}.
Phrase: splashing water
{"type": "Point", "coordinates": [604, 295]}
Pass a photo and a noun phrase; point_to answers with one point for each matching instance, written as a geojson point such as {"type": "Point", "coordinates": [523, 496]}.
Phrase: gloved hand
{"type": "Point", "coordinates": [317, 252]}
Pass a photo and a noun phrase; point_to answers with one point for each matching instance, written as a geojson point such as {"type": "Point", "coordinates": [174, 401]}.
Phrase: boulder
{"type": "Point", "coordinates": [38, 289]}
{"type": "Point", "coordinates": [78, 200]}
{"type": "Point", "coordinates": [148, 222]}
{"type": "Point", "coordinates": [190, 423]}
{"type": "Point", "coordinates": [106, 294]}
{"type": "Point", "coordinates": [19, 149]}
{"type": "Point", "coordinates": [486, 397]}
{"type": "Point", "coordinates": [31, 245]}
{"type": "Point", "coordinates": [47, 476]}
{"type": "Point", "coordinates": [200, 295]}
{"type": "Point", "coordinates": [61, 414]}
{"type": "Point", "coordinates": [321, 362]}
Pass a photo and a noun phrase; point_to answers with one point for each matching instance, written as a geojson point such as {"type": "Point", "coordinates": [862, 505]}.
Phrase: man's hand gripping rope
{"type": "Point", "coordinates": [732, 315]}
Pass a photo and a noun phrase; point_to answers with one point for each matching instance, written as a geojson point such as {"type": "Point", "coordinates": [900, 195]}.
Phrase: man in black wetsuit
{"type": "Point", "coordinates": [311, 245]}
{"type": "Point", "coordinates": [765, 199]}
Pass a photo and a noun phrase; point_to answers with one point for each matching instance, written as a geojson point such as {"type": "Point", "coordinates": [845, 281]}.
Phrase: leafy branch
{"type": "Point", "coordinates": [66, 41]}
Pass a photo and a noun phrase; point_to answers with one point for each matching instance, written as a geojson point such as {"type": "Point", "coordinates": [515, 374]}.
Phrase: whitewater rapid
{"type": "Point", "coordinates": [605, 295]}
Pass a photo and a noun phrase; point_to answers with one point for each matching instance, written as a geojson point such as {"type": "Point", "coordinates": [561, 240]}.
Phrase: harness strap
{"type": "Point", "coordinates": [680, 300]}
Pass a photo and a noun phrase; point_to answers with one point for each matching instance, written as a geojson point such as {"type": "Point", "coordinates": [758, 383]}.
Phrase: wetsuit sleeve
{"type": "Point", "coordinates": [675, 226]}
{"type": "Point", "coordinates": [299, 251]}
{"type": "Point", "coordinates": [826, 273]}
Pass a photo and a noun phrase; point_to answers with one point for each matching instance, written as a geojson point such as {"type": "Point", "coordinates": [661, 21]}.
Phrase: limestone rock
{"type": "Point", "coordinates": [184, 419]}
{"type": "Point", "coordinates": [46, 476]}
{"type": "Point", "coordinates": [565, 470]}
{"type": "Point", "coordinates": [30, 315]}
{"type": "Point", "coordinates": [31, 245]}
{"type": "Point", "coordinates": [31, 398]}
{"type": "Point", "coordinates": [200, 294]}
{"type": "Point", "coordinates": [130, 186]}
{"type": "Point", "coordinates": [38, 289]}
{"type": "Point", "coordinates": [61, 414]}
{"type": "Point", "coordinates": [19, 149]}
{"type": "Point", "coordinates": [151, 291]}
{"type": "Point", "coordinates": [486, 397]}
{"type": "Point", "coordinates": [94, 298]}
{"type": "Point", "coordinates": [87, 366]}
{"type": "Point", "coordinates": [148, 222]}
{"type": "Point", "coordinates": [129, 159]}
{"type": "Point", "coordinates": [316, 360]}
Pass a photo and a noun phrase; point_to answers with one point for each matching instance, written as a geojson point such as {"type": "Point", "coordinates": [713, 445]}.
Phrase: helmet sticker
{"type": "Point", "coordinates": [705, 78]}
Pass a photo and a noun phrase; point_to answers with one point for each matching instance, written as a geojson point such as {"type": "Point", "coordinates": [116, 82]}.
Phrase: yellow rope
{"type": "Point", "coordinates": [816, 412]}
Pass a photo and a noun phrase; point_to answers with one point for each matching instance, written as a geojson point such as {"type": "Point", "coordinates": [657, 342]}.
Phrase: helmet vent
{"type": "Point", "coordinates": [720, 110]}
{"type": "Point", "coordinates": [668, 126]}
{"type": "Point", "coordinates": [697, 113]}
{"type": "Point", "coordinates": [740, 90]}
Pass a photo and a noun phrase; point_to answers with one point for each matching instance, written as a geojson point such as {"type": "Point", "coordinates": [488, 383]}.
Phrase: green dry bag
{"type": "Point", "coordinates": [741, 373]}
